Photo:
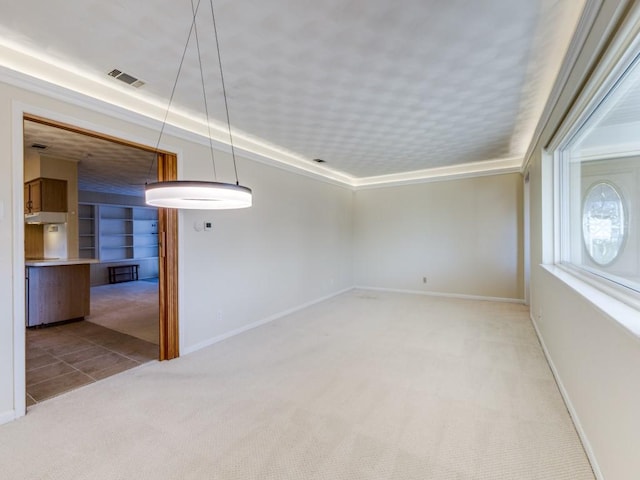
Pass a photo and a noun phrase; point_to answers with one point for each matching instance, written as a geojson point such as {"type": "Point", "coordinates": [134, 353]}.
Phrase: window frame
{"type": "Point", "coordinates": [609, 284]}
{"type": "Point", "coordinates": [606, 292]}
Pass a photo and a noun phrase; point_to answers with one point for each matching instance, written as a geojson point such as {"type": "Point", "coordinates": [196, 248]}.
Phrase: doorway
{"type": "Point", "coordinates": [131, 234]}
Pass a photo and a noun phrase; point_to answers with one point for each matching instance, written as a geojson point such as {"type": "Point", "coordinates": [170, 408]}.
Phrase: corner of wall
{"type": "Point", "coordinates": [567, 401]}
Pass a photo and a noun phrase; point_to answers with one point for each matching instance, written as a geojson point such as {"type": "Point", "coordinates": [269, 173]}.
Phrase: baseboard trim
{"type": "Point", "coordinates": [8, 416]}
{"type": "Point", "coordinates": [446, 295]}
{"type": "Point", "coordinates": [567, 401]}
{"type": "Point", "coordinates": [271, 318]}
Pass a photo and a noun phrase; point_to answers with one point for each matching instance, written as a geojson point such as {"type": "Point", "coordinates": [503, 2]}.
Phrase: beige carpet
{"type": "Point", "coordinates": [129, 307]}
{"type": "Point", "coordinates": [363, 386]}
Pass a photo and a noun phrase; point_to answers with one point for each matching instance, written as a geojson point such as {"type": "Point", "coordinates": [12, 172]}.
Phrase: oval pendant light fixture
{"type": "Point", "coordinates": [200, 195]}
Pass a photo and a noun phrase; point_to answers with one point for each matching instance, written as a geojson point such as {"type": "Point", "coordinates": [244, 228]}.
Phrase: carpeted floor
{"type": "Point", "coordinates": [129, 307]}
{"type": "Point", "coordinates": [363, 386]}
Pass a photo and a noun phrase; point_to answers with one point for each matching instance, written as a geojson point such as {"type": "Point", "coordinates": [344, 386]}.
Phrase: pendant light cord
{"type": "Point", "coordinates": [204, 92]}
{"type": "Point", "coordinates": [175, 83]}
{"type": "Point", "coordinates": [224, 93]}
{"type": "Point", "coordinates": [194, 30]}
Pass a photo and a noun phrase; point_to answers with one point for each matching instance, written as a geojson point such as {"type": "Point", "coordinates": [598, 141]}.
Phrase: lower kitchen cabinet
{"type": "Point", "coordinates": [56, 293]}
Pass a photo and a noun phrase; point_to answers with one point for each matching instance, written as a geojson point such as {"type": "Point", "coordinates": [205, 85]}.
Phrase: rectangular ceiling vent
{"type": "Point", "coordinates": [126, 78]}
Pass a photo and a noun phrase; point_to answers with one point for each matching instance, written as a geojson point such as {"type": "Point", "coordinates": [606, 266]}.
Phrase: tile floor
{"type": "Point", "coordinates": [64, 357]}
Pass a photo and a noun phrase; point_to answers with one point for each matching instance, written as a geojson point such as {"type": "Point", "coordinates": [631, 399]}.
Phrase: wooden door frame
{"type": "Point", "coordinates": [167, 163]}
{"type": "Point", "coordinates": [168, 242]}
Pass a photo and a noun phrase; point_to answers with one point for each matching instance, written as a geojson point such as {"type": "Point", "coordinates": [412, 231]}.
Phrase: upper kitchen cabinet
{"type": "Point", "coordinates": [45, 195]}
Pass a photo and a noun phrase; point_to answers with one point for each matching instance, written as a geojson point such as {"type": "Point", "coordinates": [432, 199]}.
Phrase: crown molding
{"type": "Point", "coordinates": [465, 170]}
{"type": "Point", "coordinates": [32, 72]}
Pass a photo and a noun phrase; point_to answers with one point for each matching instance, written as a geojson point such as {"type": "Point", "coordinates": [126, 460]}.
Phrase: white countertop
{"type": "Point", "coordinates": [55, 262]}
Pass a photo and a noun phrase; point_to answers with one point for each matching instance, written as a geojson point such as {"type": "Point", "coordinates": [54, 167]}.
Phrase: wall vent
{"type": "Point", "coordinates": [126, 78]}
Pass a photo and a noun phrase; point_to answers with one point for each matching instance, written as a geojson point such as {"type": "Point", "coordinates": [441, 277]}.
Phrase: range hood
{"type": "Point", "coordinates": [45, 217]}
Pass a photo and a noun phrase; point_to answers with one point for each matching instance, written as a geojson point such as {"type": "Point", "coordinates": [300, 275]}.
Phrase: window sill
{"type": "Point", "coordinates": [621, 313]}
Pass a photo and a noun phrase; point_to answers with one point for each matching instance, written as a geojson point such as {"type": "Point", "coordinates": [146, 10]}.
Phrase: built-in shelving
{"type": "Point", "coordinates": [88, 240]}
{"type": "Point", "coordinates": [117, 234]}
{"type": "Point", "coordinates": [145, 232]}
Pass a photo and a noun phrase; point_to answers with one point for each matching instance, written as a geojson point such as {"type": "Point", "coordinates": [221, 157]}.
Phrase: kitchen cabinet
{"type": "Point", "coordinates": [45, 195]}
{"type": "Point", "coordinates": [56, 292]}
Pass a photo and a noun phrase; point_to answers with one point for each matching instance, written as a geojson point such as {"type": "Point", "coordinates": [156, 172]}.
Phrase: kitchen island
{"type": "Point", "coordinates": [57, 290]}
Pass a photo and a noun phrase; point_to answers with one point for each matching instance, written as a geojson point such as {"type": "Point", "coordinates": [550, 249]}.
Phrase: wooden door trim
{"type": "Point", "coordinates": [168, 236]}
{"type": "Point", "coordinates": [168, 240]}
{"type": "Point", "coordinates": [90, 133]}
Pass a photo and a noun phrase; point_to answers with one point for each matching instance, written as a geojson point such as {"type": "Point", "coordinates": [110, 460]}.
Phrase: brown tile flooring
{"type": "Point", "coordinates": [65, 357]}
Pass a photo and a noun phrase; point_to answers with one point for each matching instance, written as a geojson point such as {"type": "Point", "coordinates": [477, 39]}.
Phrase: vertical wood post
{"type": "Point", "coordinates": [168, 240]}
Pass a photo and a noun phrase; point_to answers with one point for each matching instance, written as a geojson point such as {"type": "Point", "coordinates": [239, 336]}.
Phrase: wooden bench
{"type": "Point", "coordinates": [123, 273]}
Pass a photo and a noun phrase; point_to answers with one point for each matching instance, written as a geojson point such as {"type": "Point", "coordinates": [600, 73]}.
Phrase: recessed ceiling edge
{"type": "Point", "coordinates": [44, 75]}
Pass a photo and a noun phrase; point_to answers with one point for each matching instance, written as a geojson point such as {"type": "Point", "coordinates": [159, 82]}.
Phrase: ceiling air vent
{"type": "Point", "coordinates": [126, 78]}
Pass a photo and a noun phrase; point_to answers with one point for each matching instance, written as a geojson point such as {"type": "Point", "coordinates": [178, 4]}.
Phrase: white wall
{"type": "Point", "coordinates": [595, 360]}
{"type": "Point", "coordinates": [598, 364]}
{"type": "Point", "coordinates": [463, 235]}
{"type": "Point", "coordinates": [293, 247]}
{"type": "Point", "coordinates": [8, 211]}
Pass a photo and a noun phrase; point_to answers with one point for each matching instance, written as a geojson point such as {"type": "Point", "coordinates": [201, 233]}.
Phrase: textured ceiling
{"type": "Point", "coordinates": [371, 86]}
{"type": "Point", "coordinates": [103, 166]}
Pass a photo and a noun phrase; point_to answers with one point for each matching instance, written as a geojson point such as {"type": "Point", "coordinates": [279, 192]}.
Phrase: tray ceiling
{"type": "Point", "coordinates": [372, 87]}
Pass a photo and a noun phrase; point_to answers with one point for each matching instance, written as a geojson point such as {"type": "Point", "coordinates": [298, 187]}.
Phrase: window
{"type": "Point", "coordinates": [598, 193]}
{"type": "Point", "coordinates": [603, 223]}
